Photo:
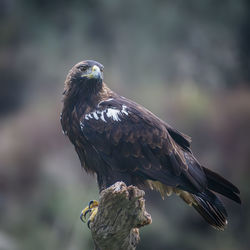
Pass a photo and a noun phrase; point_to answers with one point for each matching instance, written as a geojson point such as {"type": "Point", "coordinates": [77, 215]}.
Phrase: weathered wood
{"type": "Point", "coordinates": [120, 214]}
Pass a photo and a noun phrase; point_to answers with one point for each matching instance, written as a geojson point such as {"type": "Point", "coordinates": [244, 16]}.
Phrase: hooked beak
{"type": "Point", "coordinates": [93, 72]}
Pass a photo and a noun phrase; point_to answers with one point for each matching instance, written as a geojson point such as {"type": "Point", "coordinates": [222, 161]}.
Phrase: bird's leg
{"type": "Point", "coordinates": [92, 209]}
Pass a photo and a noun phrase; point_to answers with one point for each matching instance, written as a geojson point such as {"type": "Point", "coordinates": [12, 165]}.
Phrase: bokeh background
{"type": "Point", "coordinates": [187, 61]}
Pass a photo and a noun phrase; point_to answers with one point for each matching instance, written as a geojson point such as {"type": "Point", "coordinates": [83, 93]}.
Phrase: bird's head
{"type": "Point", "coordinates": [85, 77]}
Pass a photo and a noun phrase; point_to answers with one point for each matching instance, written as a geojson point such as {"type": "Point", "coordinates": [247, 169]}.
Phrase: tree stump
{"type": "Point", "coordinates": [121, 213]}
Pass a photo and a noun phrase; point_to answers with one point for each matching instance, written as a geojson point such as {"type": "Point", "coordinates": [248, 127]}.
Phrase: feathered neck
{"type": "Point", "coordinates": [83, 99]}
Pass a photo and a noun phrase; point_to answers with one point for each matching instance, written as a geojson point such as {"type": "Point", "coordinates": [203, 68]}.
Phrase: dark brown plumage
{"type": "Point", "coordinates": [120, 140]}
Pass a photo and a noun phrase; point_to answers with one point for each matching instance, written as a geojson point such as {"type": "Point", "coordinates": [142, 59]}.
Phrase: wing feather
{"type": "Point", "coordinates": [130, 138]}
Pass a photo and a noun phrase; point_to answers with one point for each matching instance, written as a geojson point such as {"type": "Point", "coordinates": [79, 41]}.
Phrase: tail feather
{"type": "Point", "coordinates": [211, 209]}
{"type": "Point", "coordinates": [208, 205]}
{"type": "Point", "coordinates": [220, 185]}
{"type": "Point", "coordinates": [204, 201]}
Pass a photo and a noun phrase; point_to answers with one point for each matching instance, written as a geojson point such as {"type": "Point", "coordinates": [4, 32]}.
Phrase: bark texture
{"type": "Point", "coordinates": [120, 214]}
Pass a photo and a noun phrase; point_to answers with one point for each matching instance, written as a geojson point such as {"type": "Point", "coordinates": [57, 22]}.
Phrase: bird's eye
{"type": "Point", "coordinates": [83, 67]}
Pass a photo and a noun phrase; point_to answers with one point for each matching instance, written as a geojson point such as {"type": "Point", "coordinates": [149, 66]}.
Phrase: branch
{"type": "Point", "coordinates": [121, 213]}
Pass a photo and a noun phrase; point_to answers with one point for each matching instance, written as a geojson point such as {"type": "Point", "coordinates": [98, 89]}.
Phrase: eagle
{"type": "Point", "coordinates": [120, 140]}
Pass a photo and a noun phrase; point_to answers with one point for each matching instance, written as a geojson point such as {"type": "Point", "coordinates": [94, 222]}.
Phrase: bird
{"type": "Point", "coordinates": [119, 140]}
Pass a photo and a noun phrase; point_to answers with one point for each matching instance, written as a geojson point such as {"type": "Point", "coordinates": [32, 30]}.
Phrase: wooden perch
{"type": "Point", "coordinates": [121, 213]}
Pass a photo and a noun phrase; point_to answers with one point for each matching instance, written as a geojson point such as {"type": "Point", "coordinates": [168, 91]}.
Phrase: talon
{"type": "Point", "coordinates": [93, 203]}
{"type": "Point", "coordinates": [92, 216]}
{"type": "Point", "coordinates": [91, 209]}
{"type": "Point", "coordinates": [84, 213]}
{"type": "Point", "coordinates": [88, 224]}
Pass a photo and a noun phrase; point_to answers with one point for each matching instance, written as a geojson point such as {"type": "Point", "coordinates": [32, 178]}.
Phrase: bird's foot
{"type": "Point", "coordinates": [91, 209]}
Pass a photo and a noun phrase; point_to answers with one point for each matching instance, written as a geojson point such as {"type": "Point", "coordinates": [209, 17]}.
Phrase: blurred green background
{"type": "Point", "coordinates": [187, 61]}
